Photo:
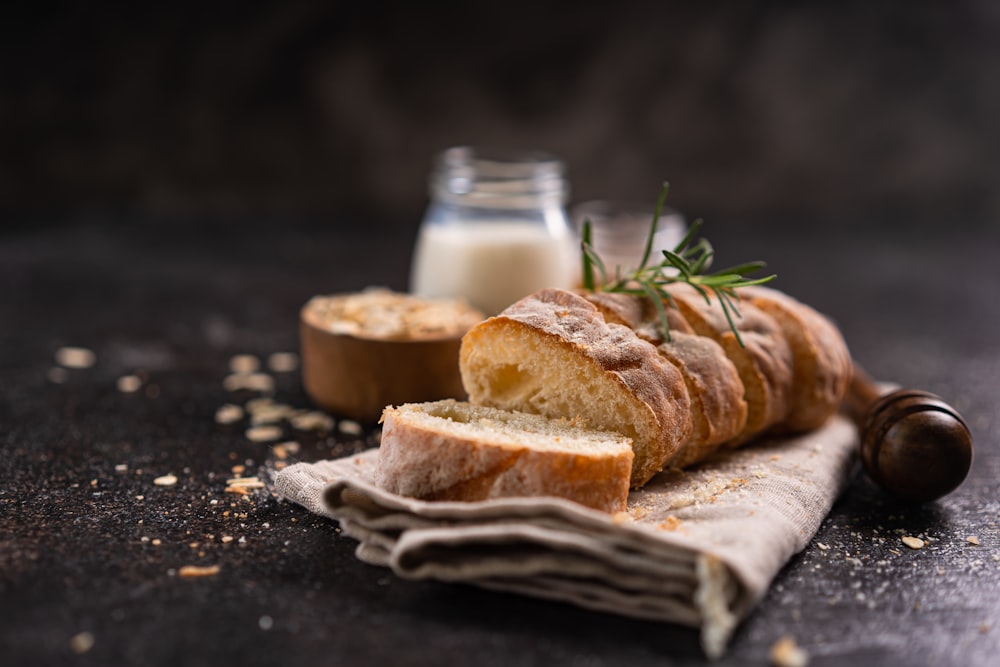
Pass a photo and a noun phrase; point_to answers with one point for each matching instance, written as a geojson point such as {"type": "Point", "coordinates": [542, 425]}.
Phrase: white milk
{"type": "Point", "coordinates": [491, 264]}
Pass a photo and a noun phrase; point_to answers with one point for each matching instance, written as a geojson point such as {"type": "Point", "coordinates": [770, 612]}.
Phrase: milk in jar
{"type": "Point", "coordinates": [496, 229]}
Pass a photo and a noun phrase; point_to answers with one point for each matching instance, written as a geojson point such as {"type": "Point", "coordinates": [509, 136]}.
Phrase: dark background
{"type": "Point", "coordinates": [177, 179]}
{"type": "Point", "coordinates": [846, 113]}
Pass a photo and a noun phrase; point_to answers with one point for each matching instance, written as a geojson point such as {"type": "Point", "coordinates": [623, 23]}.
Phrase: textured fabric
{"type": "Point", "coordinates": [697, 547]}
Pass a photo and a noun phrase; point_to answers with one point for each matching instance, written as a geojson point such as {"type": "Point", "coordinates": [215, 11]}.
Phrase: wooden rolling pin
{"type": "Point", "coordinates": [913, 444]}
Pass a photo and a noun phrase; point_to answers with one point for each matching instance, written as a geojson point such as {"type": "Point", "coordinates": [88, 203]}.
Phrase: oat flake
{"type": "Point", "coordinates": [265, 433]}
{"type": "Point", "coordinates": [228, 414]}
{"type": "Point", "coordinates": [129, 384]}
{"type": "Point", "coordinates": [244, 363]}
{"type": "Point", "coordinates": [191, 571]}
{"type": "Point", "coordinates": [75, 357]}
{"type": "Point", "coordinates": [283, 362]}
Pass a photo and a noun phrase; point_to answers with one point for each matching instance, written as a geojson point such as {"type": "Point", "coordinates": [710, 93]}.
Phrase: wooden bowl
{"type": "Point", "coordinates": [366, 350]}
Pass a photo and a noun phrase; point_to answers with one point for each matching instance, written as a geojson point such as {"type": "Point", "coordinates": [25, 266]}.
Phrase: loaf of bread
{"type": "Point", "coordinates": [821, 363]}
{"type": "Point", "coordinates": [763, 360]}
{"type": "Point", "coordinates": [554, 354]}
{"type": "Point", "coordinates": [556, 364]}
{"type": "Point", "coordinates": [638, 313]}
{"type": "Point", "coordinates": [718, 410]}
{"type": "Point", "coordinates": [450, 450]}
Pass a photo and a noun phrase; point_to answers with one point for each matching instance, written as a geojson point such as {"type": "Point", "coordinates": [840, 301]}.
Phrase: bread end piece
{"type": "Point", "coordinates": [452, 450]}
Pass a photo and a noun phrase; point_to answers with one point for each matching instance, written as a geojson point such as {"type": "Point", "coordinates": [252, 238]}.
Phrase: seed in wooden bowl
{"type": "Point", "coordinates": [75, 357]}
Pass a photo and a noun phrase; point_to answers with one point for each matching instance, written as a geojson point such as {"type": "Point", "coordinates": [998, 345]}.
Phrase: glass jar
{"type": "Point", "coordinates": [496, 228]}
{"type": "Point", "coordinates": [619, 231]}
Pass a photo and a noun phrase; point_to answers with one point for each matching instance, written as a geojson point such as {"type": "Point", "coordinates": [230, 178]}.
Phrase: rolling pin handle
{"type": "Point", "coordinates": [913, 444]}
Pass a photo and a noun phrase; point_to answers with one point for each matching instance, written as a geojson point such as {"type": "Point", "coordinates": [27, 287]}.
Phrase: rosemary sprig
{"type": "Point", "coordinates": [688, 262]}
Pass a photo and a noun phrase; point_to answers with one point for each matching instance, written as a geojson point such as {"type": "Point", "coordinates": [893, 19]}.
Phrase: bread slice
{"type": "Point", "coordinates": [821, 362]}
{"type": "Point", "coordinates": [450, 450]}
{"type": "Point", "coordinates": [718, 410]}
{"type": "Point", "coordinates": [764, 361]}
{"type": "Point", "coordinates": [552, 353]}
{"type": "Point", "coordinates": [638, 313]}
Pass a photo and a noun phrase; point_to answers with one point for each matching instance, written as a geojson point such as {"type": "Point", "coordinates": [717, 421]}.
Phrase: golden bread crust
{"type": "Point", "coordinates": [820, 359]}
{"type": "Point", "coordinates": [764, 360]}
{"type": "Point", "coordinates": [447, 450]}
{"type": "Point", "coordinates": [553, 353]}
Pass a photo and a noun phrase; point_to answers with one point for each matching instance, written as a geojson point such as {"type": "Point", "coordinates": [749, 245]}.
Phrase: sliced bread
{"type": "Point", "coordinates": [763, 361]}
{"type": "Point", "coordinates": [450, 450]}
{"type": "Point", "coordinates": [821, 362]}
{"type": "Point", "coordinates": [718, 410]}
{"type": "Point", "coordinates": [639, 314]}
{"type": "Point", "coordinates": [552, 353]}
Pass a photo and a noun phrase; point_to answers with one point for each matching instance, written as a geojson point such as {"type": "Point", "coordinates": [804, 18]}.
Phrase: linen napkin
{"type": "Point", "coordinates": [697, 547]}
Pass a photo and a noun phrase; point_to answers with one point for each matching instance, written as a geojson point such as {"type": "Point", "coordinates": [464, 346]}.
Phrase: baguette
{"type": "Point", "coordinates": [638, 314]}
{"type": "Point", "coordinates": [450, 450]}
{"type": "Point", "coordinates": [821, 362]}
{"type": "Point", "coordinates": [718, 410]}
{"type": "Point", "coordinates": [552, 353]}
{"type": "Point", "coordinates": [763, 361]}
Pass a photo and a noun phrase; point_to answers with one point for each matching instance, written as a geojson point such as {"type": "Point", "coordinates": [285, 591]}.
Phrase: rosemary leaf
{"type": "Point", "coordinates": [687, 263]}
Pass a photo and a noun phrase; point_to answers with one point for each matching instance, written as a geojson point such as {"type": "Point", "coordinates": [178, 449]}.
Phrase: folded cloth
{"type": "Point", "coordinates": [698, 547]}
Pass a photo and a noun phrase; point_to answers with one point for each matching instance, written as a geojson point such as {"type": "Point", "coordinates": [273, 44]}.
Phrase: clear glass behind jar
{"type": "Point", "coordinates": [496, 228]}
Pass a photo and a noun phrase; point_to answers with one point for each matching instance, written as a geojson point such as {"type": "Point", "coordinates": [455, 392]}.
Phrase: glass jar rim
{"type": "Point", "coordinates": [498, 177]}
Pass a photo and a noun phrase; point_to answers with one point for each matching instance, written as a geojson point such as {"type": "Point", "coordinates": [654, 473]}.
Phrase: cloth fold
{"type": "Point", "coordinates": [698, 547]}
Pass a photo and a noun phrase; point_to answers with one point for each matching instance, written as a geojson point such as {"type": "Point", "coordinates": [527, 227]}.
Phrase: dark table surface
{"type": "Point", "coordinates": [90, 547]}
